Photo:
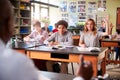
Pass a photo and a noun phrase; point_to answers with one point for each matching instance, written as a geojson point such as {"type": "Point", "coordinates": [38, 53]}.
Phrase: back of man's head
{"type": "Point", "coordinates": [13, 65]}
{"type": "Point", "coordinates": [6, 20]}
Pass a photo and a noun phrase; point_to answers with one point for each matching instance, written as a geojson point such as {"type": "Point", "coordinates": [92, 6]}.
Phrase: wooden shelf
{"type": "Point", "coordinates": [22, 12]}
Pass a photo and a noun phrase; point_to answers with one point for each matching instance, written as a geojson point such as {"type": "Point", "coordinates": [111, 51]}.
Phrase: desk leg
{"type": "Point", "coordinates": [21, 51]}
{"type": "Point", "coordinates": [103, 66]}
{"type": "Point", "coordinates": [28, 53]}
{"type": "Point", "coordinates": [95, 67]}
{"type": "Point", "coordinates": [103, 63]}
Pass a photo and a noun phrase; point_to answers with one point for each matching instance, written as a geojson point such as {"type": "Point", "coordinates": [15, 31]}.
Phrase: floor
{"type": "Point", "coordinates": [112, 70]}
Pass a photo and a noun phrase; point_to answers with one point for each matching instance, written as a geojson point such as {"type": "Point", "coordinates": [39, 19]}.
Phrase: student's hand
{"type": "Point", "coordinates": [107, 18]}
{"type": "Point", "coordinates": [26, 38]}
{"type": "Point", "coordinates": [85, 69]}
{"type": "Point", "coordinates": [83, 45]}
{"type": "Point", "coordinates": [111, 26]}
{"type": "Point", "coordinates": [51, 43]}
{"type": "Point", "coordinates": [56, 43]}
{"type": "Point", "coordinates": [42, 38]}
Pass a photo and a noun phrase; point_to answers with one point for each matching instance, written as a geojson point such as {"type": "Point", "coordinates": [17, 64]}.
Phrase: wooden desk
{"type": "Point", "coordinates": [65, 55]}
{"type": "Point", "coordinates": [110, 43]}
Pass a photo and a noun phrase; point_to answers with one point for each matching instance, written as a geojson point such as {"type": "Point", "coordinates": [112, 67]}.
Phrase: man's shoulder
{"type": "Point", "coordinates": [14, 53]}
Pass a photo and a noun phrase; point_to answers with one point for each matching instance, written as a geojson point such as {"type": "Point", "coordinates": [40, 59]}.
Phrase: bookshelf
{"type": "Point", "coordinates": [22, 12]}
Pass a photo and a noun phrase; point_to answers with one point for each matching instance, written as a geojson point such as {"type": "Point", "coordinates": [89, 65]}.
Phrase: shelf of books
{"type": "Point", "coordinates": [22, 12]}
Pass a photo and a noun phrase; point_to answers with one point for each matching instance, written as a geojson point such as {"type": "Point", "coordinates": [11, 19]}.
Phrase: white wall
{"type": "Point", "coordinates": [54, 15]}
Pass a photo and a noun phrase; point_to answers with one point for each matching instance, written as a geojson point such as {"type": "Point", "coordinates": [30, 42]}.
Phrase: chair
{"type": "Point", "coordinates": [76, 39]}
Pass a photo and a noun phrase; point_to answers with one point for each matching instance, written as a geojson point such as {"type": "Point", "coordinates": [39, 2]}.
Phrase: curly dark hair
{"type": "Point", "coordinates": [62, 22]}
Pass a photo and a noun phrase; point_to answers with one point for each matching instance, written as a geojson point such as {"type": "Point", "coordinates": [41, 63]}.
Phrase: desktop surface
{"type": "Point", "coordinates": [68, 50]}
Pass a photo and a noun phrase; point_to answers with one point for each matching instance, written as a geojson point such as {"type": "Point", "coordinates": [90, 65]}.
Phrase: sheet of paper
{"type": "Point", "coordinates": [93, 49]}
{"type": "Point", "coordinates": [82, 49]}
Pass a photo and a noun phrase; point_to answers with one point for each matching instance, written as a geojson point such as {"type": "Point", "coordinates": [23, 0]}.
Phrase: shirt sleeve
{"type": "Point", "coordinates": [100, 34]}
{"type": "Point", "coordinates": [82, 36]}
{"type": "Point", "coordinates": [31, 35]}
{"type": "Point", "coordinates": [50, 38]}
{"type": "Point", "coordinates": [114, 35]}
{"type": "Point", "coordinates": [100, 29]}
{"type": "Point", "coordinates": [78, 78]}
{"type": "Point", "coordinates": [46, 34]}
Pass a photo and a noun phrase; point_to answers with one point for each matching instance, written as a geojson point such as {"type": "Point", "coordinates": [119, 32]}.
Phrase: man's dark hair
{"type": "Point", "coordinates": [62, 22]}
{"type": "Point", "coordinates": [6, 20]}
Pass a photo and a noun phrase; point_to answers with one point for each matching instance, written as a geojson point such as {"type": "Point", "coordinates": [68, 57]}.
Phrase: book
{"type": "Point", "coordinates": [94, 49]}
{"type": "Point", "coordinates": [91, 49]}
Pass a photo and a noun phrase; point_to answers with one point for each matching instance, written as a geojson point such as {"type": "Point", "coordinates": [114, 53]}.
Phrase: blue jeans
{"type": "Point", "coordinates": [117, 49]}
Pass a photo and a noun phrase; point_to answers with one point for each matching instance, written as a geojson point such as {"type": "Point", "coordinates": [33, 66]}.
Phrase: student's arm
{"type": "Point", "coordinates": [27, 38]}
{"type": "Point", "coordinates": [110, 28]}
{"type": "Point", "coordinates": [81, 41]}
{"type": "Point", "coordinates": [44, 36]}
{"type": "Point", "coordinates": [107, 26]}
{"type": "Point", "coordinates": [50, 39]}
{"type": "Point", "coordinates": [107, 29]}
{"type": "Point", "coordinates": [113, 36]}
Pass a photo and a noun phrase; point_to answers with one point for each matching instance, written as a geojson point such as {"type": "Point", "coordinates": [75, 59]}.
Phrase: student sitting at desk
{"type": "Point", "coordinates": [103, 28]}
{"type": "Point", "coordinates": [38, 34]}
{"type": "Point", "coordinates": [90, 36]}
{"type": "Point", "coordinates": [62, 37]}
{"type": "Point", "coordinates": [117, 37]}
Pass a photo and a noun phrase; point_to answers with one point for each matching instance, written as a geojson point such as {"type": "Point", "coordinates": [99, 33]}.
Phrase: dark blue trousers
{"type": "Point", "coordinates": [117, 49]}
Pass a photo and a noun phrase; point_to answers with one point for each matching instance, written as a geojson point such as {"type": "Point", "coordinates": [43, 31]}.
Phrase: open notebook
{"type": "Point", "coordinates": [92, 49]}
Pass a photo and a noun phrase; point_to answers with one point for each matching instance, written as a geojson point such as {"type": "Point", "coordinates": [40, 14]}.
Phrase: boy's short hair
{"type": "Point", "coordinates": [62, 22]}
{"type": "Point", "coordinates": [37, 23]}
